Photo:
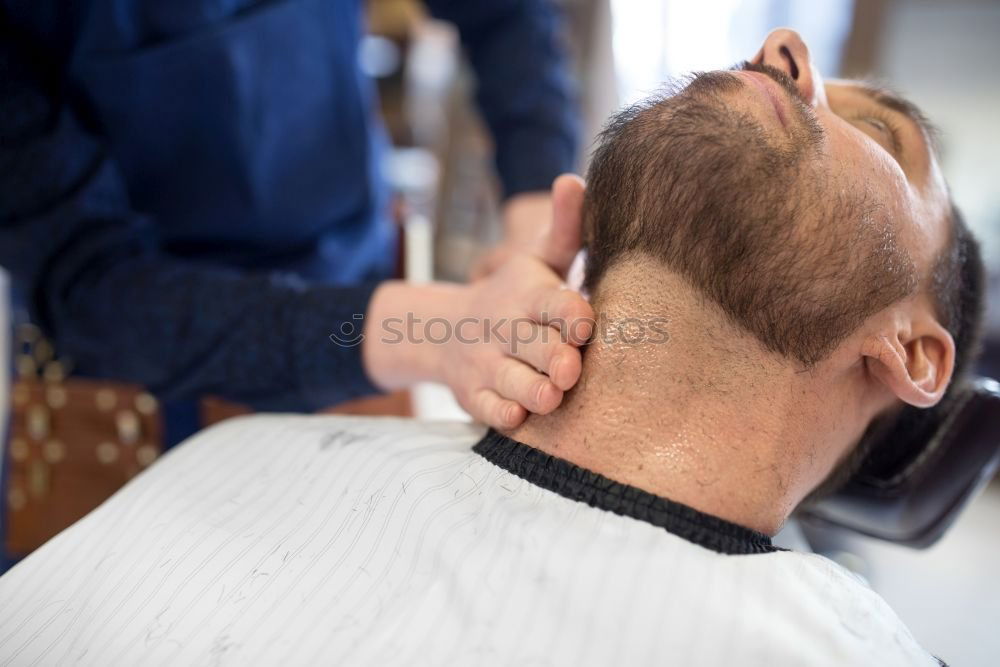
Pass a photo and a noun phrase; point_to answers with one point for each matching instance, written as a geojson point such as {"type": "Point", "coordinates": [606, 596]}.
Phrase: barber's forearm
{"type": "Point", "coordinates": [396, 354]}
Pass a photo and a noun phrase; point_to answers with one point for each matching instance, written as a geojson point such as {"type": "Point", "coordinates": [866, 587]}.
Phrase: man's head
{"type": "Point", "coordinates": [813, 213]}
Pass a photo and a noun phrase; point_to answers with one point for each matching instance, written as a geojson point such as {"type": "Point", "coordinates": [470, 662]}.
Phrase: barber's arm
{"type": "Point", "coordinates": [123, 308]}
{"type": "Point", "coordinates": [527, 97]}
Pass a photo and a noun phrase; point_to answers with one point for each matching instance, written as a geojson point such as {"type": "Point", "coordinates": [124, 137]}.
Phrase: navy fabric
{"type": "Point", "coordinates": [189, 190]}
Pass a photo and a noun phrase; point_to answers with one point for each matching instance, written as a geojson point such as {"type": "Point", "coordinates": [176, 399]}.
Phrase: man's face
{"type": "Point", "coordinates": [801, 207]}
{"type": "Point", "coordinates": [872, 139]}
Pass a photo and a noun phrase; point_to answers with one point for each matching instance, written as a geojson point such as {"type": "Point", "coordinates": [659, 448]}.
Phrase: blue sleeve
{"type": "Point", "coordinates": [120, 307]}
{"type": "Point", "coordinates": [524, 87]}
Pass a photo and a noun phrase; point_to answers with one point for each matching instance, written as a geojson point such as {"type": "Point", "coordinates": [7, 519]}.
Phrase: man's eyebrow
{"type": "Point", "coordinates": [890, 99]}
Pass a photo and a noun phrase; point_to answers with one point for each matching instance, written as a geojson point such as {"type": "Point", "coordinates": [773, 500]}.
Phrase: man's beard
{"type": "Point", "coordinates": [754, 219]}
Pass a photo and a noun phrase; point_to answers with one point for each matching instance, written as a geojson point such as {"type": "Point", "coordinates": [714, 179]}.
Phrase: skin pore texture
{"type": "Point", "coordinates": [822, 322]}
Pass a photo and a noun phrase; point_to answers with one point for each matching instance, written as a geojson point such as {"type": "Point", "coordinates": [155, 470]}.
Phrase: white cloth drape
{"type": "Point", "coordinates": [333, 540]}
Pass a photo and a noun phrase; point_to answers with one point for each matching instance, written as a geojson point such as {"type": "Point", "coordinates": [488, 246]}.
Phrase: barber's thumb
{"type": "Point", "coordinates": [561, 245]}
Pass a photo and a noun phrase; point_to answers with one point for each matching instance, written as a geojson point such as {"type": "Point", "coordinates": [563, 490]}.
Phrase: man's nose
{"type": "Point", "coordinates": [785, 50]}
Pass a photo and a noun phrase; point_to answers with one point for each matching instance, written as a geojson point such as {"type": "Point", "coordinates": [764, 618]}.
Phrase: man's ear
{"type": "Point", "coordinates": [913, 359]}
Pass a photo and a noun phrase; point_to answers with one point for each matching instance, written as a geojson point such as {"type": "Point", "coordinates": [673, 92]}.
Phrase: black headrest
{"type": "Point", "coordinates": [915, 500]}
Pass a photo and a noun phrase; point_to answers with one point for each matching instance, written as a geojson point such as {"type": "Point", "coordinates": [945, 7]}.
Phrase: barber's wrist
{"type": "Point", "coordinates": [395, 351]}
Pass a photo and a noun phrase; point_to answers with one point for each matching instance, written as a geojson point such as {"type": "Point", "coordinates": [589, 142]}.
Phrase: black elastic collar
{"type": "Point", "coordinates": [576, 483]}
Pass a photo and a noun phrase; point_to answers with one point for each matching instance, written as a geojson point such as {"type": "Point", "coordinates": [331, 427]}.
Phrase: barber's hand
{"type": "Point", "coordinates": [546, 323]}
{"type": "Point", "coordinates": [533, 355]}
{"type": "Point", "coordinates": [535, 324]}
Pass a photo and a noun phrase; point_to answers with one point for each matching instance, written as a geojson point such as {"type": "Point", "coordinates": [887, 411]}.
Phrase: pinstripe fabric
{"type": "Point", "coordinates": [305, 540]}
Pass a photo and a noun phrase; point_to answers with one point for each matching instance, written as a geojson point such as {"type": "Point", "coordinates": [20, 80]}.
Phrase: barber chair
{"type": "Point", "coordinates": [914, 499]}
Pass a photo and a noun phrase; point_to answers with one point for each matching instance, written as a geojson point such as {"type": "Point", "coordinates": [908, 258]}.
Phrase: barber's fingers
{"type": "Point", "coordinates": [533, 390]}
{"type": "Point", "coordinates": [487, 406]}
{"type": "Point", "coordinates": [542, 347]}
{"type": "Point", "coordinates": [566, 310]}
{"type": "Point", "coordinates": [565, 237]}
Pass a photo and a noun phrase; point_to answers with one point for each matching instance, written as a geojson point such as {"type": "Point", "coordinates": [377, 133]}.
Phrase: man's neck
{"type": "Point", "coordinates": [706, 418]}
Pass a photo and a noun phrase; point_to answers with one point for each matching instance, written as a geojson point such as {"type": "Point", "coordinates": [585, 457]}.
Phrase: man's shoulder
{"type": "Point", "coordinates": [837, 618]}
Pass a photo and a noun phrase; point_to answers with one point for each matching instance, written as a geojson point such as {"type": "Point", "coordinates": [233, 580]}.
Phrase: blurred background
{"type": "Point", "coordinates": [943, 55]}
